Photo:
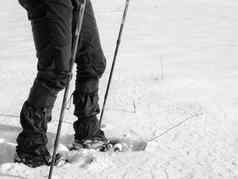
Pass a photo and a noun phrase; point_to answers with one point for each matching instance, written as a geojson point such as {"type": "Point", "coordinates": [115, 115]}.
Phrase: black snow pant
{"type": "Point", "coordinates": [53, 23]}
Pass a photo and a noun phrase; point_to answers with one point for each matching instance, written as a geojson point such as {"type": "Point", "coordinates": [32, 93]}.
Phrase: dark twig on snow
{"type": "Point", "coordinates": [134, 106]}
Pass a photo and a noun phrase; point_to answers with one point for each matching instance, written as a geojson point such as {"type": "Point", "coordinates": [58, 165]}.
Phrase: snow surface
{"type": "Point", "coordinates": [175, 86]}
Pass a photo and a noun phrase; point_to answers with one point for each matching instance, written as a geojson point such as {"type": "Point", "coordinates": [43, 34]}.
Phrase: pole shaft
{"type": "Point", "coordinates": [114, 60]}
{"type": "Point", "coordinates": [64, 102]}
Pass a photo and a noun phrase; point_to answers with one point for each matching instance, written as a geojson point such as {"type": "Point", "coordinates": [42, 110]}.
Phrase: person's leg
{"type": "Point", "coordinates": [91, 64]}
{"type": "Point", "coordinates": [52, 31]}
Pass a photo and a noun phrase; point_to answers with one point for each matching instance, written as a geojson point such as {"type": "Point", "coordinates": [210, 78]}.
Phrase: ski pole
{"type": "Point", "coordinates": [74, 52]}
{"type": "Point", "coordinates": [114, 59]}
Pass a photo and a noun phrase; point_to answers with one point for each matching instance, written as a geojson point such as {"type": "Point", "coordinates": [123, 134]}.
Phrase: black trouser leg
{"type": "Point", "coordinates": [90, 67]}
{"type": "Point", "coordinates": [52, 31]}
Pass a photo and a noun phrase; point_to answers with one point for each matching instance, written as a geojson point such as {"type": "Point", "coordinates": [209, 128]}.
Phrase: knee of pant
{"type": "Point", "coordinates": [98, 62]}
{"type": "Point", "coordinates": [91, 66]}
{"type": "Point", "coordinates": [101, 67]}
{"type": "Point", "coordinates": [35, 9]}
{"type": "Point", "coordinates": [55, 80]}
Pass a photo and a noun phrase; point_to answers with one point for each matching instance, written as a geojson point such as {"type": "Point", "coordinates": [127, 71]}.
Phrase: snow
{"type": "Point", "coordinates": [175, 86]}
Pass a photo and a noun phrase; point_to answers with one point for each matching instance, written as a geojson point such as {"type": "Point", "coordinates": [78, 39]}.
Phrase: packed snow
{"type": "Point", "coordinates": [175, 87]}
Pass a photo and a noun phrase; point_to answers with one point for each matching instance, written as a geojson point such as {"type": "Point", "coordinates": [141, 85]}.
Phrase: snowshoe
{"type": "Point", "coordinates": [113, 144]}
{"type": "Point", "coordinates": [95, 144]}
{"type": "Point", "coordinates": [84, 151]}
